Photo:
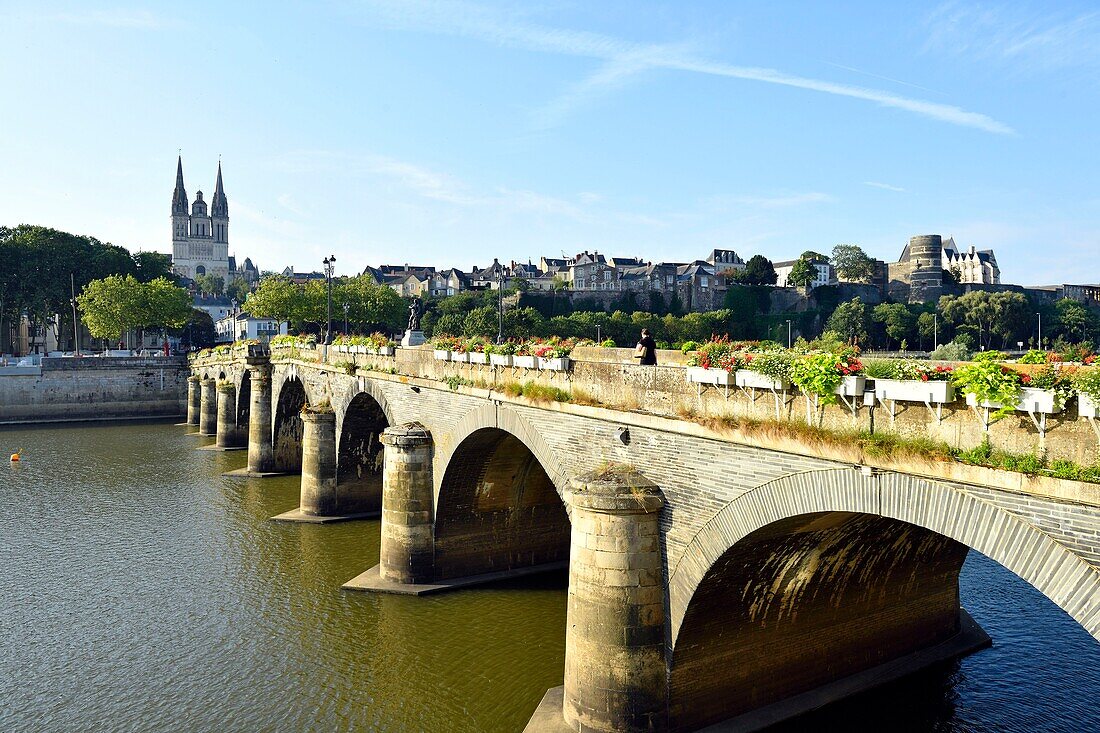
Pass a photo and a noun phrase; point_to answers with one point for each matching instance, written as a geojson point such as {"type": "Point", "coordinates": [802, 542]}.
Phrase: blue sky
{"type": "Point", "coordinates": [452, 133]}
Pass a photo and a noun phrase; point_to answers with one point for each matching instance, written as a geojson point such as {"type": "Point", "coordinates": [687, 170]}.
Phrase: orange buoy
{"type": "Point", "coordinates": [15, 458]}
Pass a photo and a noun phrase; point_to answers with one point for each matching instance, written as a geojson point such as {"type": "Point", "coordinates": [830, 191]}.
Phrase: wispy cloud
{"type": "Point", "coordinates": [779, 201]}
{"type": "Point", "coordinates": [1014, 33]}
{"type": "Point", "coordinates": [884, 186]}
{"type": "Point", "coordinates": [625, 59]}
{"type": "Point", "coordinates": [114, 18]}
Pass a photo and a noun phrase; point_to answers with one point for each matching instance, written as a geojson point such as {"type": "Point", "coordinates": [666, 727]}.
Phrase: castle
{"type": "Point", "coordinates": [200, 241]}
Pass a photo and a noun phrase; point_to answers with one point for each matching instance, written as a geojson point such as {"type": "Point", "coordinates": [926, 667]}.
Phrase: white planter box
{"type": "Point", "coordinates": [555, 365]}
{"type": "Point", "coordinates": [441, 354]}
{"type": "Point", "coordinates": [527, 362]}
{"type": "Point", "coordinates": [1031, 400]}
{"type": "Point", "coordinates": [852, 386]}
{"type": "Point", "coordinates": [359, 349]}
{"type": "Point", "coordinates": [461, 357]}
{"type": "Point", "coordinates": [385, 350]}
{"type": "Point", "coordinates": [699, 375]}
{"type": "Point", "coordinates": [1086, 407]}
{"type": "Point", "coordinates": [749, 378]}
{"type": "Point", "coordinates": [914, 390]}
{"type": "Point", "coordinates": [342, 349]}
{"type": "Point", "coordinates": [503, 360]}
{"type": "Point", "coordinates": [478, 357]}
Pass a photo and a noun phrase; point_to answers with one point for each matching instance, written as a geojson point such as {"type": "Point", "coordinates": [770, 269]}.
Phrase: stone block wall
{"type": "Point", "coordinates": [94, 388]}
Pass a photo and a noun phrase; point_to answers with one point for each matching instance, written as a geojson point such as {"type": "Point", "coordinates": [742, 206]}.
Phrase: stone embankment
{"type": "Point", "coordinates": [94, 388]}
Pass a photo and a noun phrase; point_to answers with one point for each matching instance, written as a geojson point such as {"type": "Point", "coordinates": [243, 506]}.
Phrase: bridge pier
{"type": "Point", "coordinates": [194, 396]}
{"type": "Point", "coordinates": [615, 669]}
{"type": "Point", "coordinates": [321, 501]}
{"type": "Point", "coordinates": [261, 458]}
{"type": "Point", "coordinates": [208, 408]}
{"type": "Point", "coordinates": [227, 417]}
{"type": "Point", "coordinates": [408, 542]}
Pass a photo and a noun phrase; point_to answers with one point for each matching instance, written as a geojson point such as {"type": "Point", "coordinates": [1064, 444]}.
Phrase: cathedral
{"type": "Point", "coordinates": [200, 240]}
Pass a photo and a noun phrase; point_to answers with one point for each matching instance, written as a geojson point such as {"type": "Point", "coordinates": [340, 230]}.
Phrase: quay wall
{"type": "Point", "coordinates": [94, 388]}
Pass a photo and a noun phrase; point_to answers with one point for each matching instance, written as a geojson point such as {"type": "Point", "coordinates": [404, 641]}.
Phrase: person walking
{"type": "Point", "coordinates": [646, 350]}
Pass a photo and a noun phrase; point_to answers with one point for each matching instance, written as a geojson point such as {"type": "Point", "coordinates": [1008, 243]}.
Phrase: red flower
{"type": "Point", "coordinates": [1025, 378]}
{"type": "Point", "coordinates": [924, 376]}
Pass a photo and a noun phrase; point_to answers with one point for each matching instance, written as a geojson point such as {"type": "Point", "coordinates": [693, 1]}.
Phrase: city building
{"type": "Point", "coordinates": [242, 326]}
{"type": "Point", "coordinates": [200, 239]}
{"type": "Point", "coordinates": [972, 266]}
{"type": "Point", "coordinates": [825, 273]}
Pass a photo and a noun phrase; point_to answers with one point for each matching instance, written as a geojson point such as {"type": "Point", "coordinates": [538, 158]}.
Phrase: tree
{"type": "Point", "coordinates": [198, 332]}
{"type": "Point", "coordinates": [1002, 314]}
{"type": "Point", "coordinates": [238, 289]}
{"type": "Point", "coordinates": [758, 271]}
{"type": "Point", "coordinates": [852, 263]}
{"type": "Point", "coordinates": [210, 284]}
{"type": "Point", "coordinates": [926, 328]}
{"type": "Point", "coordinates": [480, 322]}
{"type": "Point", "coordinates": [275, 297]}
{"type": "Point", "coordinates": [151, 265]}
{"type": "Point", "coordinates": [112, 306]}
{"type": "Point", "coordinates": [1074, 319]}
{"type": "Point", "coordinates": [164, 304]}
{"type": "Point", "coordinates": [813, 256]}
{"type": "Point", "coordinates": [896, 319]}
{"type": "Point", "coordinates": [849, 320]}
{"type": "Point", "coordinates": [802, 273]}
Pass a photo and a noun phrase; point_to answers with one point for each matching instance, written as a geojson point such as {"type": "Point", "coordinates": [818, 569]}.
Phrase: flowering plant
{"type": "Point", "coordinates": [819, 374]}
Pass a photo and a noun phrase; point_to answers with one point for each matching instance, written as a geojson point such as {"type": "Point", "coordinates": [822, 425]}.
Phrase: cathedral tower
{"type": "Point", "coordinates": [200, 239]}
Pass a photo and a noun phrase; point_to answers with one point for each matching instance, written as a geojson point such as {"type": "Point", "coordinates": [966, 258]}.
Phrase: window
{"type": "Point", "coordinates": [704, 282]}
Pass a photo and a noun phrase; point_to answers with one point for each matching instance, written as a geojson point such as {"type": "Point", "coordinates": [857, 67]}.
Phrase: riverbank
{"type": "Point", "coordinates": [93, 389]}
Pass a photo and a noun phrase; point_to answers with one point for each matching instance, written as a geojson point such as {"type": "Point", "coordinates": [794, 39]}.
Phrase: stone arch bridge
{"type": "Point", "coordinates": [712, 576]}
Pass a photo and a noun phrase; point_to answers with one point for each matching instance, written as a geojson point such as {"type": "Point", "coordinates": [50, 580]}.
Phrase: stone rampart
{"type": "Point", "coordinates": [94, 388]}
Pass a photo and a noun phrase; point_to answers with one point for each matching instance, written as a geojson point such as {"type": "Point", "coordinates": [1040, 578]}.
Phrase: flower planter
{"type": "Point", "coordinates": [1086, 407]}
{"type": "Point", "coordinates": [341, 349]}
{"type": "Point", "coordinates": [559, 364]}
{"type": "Point", "coordinates": [441, 354]}
{"type": "Point", "coordinates": [385, 350]}
{"type": "Point", "coordinates": [460, 356]}
{"type": "Point", "coordinates": [700, 375]}
{"type": "Point", "coordinates": [359, 349]}
{"type": "Point", "coordinates": [756, 380]}
{"type": "Point", "coordinates": [851, 386]}
{"type": "Point", "coordinates": [527, 362]}
{"type": "Point", "coordinates": [502, 360]}
{"type": "Point", "coordinates": [914, 390]}
{"type": "Point", "coordinates": [1032, 399]}
{"type": "Point", "coordinates": [478, 357]}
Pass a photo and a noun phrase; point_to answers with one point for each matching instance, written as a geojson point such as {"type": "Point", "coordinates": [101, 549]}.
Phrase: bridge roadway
{"type": "Point", "coordinates": [716, 577]}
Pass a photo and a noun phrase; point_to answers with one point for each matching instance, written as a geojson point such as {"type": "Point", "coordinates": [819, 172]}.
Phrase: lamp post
{"type": "Point", "coordinates": [788, 334]}
{"type": "Point", "coordinates": [345, 319]}
{"type": "Point", "coordinates": [234, 321]}
{"type": "Point", "coordinates": [500, 305]}
{"type": "Point", "coordinates": [330, 265]}
{"type": "Point", "coordinates": [935, 331]}
{"type": "Point", "coordinates": [1040, 317]}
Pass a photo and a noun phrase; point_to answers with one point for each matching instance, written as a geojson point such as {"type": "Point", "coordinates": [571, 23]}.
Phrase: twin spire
{"type": "Point", "coordinates": [219, 207]}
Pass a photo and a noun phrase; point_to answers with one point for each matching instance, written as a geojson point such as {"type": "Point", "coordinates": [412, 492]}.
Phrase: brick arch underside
{"type": "Point", "coordinates": [287, 427]}
{"type": "Point", "coordinates": [819, 575]}
{"type": "Point", "coordinates": [497, 509]}
{"type": "Point", "coordinates": [359, 452]}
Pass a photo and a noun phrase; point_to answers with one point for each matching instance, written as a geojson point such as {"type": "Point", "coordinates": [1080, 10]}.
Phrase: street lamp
{"type": "Point", "coordinates": [1040, 317]}
{"type": "Point", "coordinates": [788, 334]}
{"type": "Point", "coordinates": [234, 317]}
{"type": "Point", "coordinates": [500, 305]}
{"type": "Point", "coordinates": [935, 331]}
{"type": "Point", "coordinates": [345, 319]}
{"type": "Point", "coordinates": [330, 265]}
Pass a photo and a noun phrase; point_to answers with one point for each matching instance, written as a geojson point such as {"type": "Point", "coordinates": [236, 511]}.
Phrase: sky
{"type": "Point", "coordinates": [450, 133]}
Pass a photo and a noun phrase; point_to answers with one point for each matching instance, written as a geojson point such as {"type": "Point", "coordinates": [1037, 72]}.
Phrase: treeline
{"type": "Point", "coordinates": [365, 305]}
{"type": "Point", "coordinates": [40, 268]}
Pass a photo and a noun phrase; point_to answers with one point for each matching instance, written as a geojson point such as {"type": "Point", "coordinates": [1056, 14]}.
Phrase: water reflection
{"type": "Point", "coordinates": [144, 591]}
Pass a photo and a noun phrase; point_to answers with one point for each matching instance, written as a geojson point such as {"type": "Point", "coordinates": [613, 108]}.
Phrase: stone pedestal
{"type": "Point", "coordinates": [227, 416]}
{"type": "Point", "coordinates": [194, 400]}
{"type": "Point", "coordinates": [412, 338]}
{"type": "Point", "coordinates": [407, 549]}
{"type": "Point", "coordinates": [260, 456]}
{"type": "Point", "coordinates": [208, 408]}
{"type": "Point", "coordinates": [319, 464]}
{"type": "Point", "coordinates": [615, 672]}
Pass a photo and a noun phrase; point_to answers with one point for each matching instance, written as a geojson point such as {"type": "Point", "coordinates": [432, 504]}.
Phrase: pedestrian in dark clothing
{"type": "Point", "coordinates": [646, 350]}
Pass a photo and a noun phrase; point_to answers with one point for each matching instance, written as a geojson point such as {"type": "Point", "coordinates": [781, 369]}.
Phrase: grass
{"type": "Point", "coordinates": [536, 392]}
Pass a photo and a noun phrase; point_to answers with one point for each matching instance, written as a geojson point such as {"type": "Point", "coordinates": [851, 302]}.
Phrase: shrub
{"type": "Point", "coordinates": [989, 381]}
{"type": "Point", "coordinates": [1035, 356]}
{"type": "Point", "coordinates": [775, 365]}
{"type": "Point", "coordinates": [954, 351]}
{"type": "Point", "coordinates": [689, 346]}
{"type": "Point", "coordinates": [1088, 383]}
{"type": "Point", "coordinates": [819, 374]}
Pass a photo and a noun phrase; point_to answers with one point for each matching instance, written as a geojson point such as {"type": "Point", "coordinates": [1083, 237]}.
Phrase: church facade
{"type": "Point", "coordinates": [200, 238]}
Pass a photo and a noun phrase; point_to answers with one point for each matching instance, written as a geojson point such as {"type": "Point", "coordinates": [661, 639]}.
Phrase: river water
{"type": "Point", "coordinates": [142, 591]}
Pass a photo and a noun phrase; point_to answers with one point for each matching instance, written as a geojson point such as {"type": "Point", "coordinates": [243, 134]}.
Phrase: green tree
{"type": "Point", "coordinates": [850, 320]}
{"type": "Point", "coordinates": [164, 304]}
{"type": "Point", "coordinates": [481, 321]}
{"type": "Point", "coordinates": [276, 298]}
{"type": "Point", "coordinates": [151, 265]}
{"type": "Point", "coordinates": [198, 332]}
{"type": "Point", "coordinates": [813, 256]}
{"type": "Point", "coordinates": [757, 271]}
{"type": "Point", "coordinates": [238, 289]}
{"type": "Point", "coordinates": [1075, 321]}
{"type": "Point", "coordinates": [210, 284]}
{"type": "Point", "coordinates": [897, 321]}
{"type": "Point", "coordinates": [802, 273]}
{"type": "Point", "coordinates": [112, 306]}
{"type": "Point", "coordinates": [926, 328]}
{"type": "Point", "coordinates": [852, 263]}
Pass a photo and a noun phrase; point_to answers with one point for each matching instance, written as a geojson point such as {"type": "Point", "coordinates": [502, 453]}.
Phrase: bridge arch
{"type": "Point", "coordinates": [287, 428]}
{"type": "Point", "coordinates": [497, 504]}
{"type": "Point", "coordinates": [827, 572]}
{"type": "Point", "coordinates": [244, 405]}
{"type": "Point", "coordinates": [359, 461]}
